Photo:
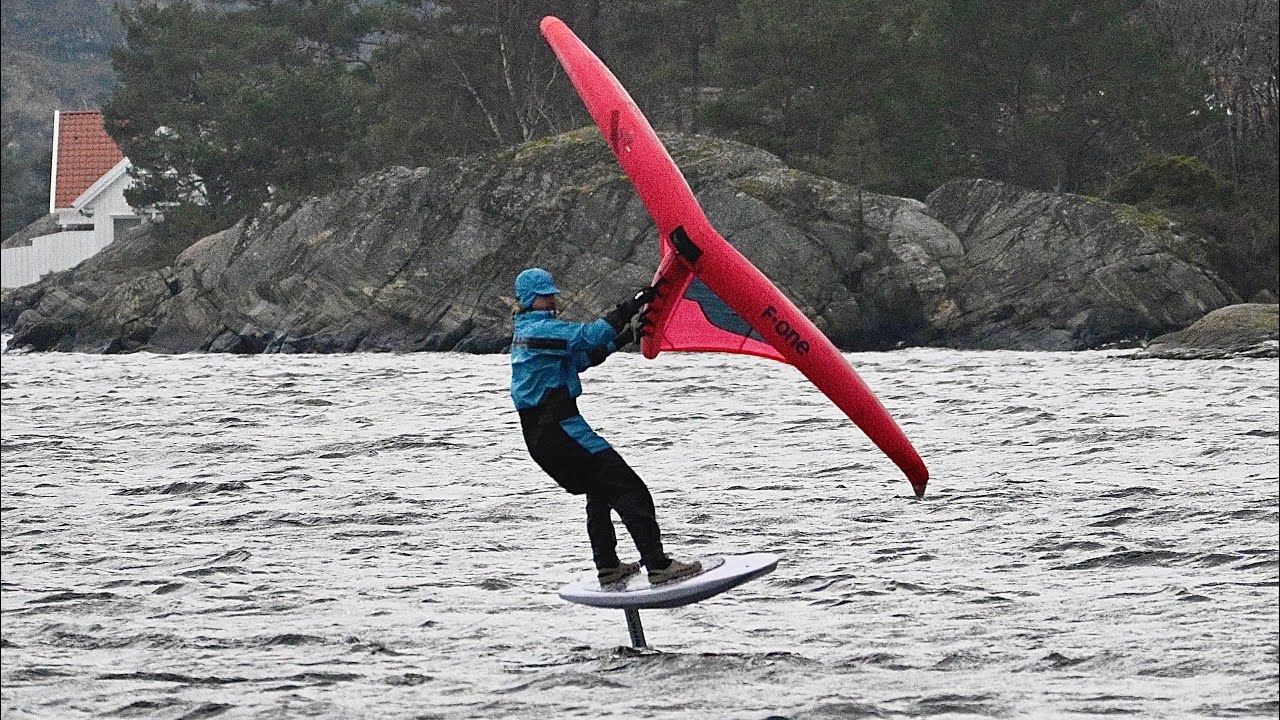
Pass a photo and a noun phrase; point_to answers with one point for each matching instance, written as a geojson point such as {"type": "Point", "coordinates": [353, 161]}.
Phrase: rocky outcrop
{"type": "Point", "coordinates": [1066, 272]}
{"type": "Point", "coordinates": [1246, 330]}
{"type": "Point", "coordinates": [62, 307]}
{"type": "Point", "coordinates": [423, 259]}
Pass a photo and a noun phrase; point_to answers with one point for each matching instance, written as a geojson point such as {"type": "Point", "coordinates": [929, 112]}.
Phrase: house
{"type": "Point", "coordinates": [86, 198]}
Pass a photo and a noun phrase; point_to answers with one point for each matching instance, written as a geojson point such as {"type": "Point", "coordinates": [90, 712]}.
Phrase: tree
{"type": "Point", "coordinates": [224, 106]}
{"type": "Point", "coordinates": [1046, 93]}
{"type": "Point", "coordinates": [1052, 94]}
{"type": "Point", "coordinates": [660, 50]}
{"type": "Point", "coordinates": [1237, 43]}
{"type": "Point", "coordinates": [462, 76]}
{"type": "Point", "coordinates": [846, 88]}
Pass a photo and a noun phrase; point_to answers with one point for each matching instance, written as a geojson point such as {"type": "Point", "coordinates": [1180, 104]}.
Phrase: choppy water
{"type": "Point", "coordinates": [363, 536]}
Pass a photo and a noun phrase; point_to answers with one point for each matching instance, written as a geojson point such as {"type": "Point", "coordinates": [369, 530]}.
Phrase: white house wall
{"type": "Point", "coordinates": [106, 207]}
{"type": "Point", "coordinates": [53, 253]}
{"type": "Point", "coordinates": [47, 253]}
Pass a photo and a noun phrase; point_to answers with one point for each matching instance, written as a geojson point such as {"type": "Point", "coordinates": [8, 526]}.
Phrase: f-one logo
{"type": "Point", "coordinates": [784, 330]}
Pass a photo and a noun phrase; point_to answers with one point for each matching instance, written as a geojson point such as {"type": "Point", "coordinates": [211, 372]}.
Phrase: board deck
{"type": "Point", "coordinates": [720, 573]}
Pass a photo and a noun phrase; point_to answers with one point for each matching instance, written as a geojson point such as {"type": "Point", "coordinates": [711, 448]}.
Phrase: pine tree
{"type": "Point", "coordinates": [227, 105]}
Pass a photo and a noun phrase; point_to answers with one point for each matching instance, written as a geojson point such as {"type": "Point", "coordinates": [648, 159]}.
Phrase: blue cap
{"type": "Point", "coordinates": [534, 282]}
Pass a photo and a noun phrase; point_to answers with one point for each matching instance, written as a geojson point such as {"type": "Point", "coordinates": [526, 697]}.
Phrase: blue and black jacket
{"type": "Point", "coordinates": [547, 354]}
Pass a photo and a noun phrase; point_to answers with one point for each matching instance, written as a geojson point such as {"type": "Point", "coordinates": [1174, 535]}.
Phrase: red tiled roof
{"type": "Point", "coordinates": [85, 153]}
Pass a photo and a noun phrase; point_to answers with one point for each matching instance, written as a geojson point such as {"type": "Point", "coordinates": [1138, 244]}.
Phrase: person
{"type": "Point", "coordinates": [547, 354]}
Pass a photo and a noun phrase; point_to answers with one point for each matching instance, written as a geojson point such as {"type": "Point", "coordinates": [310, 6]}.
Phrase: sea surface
{"type": "Point", "coordinates": [364, 536]}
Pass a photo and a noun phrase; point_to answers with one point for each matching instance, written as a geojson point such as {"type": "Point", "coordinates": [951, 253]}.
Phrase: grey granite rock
{"type": "Point", "coordinates": [1245, 330]}
{"type": "Point", "coordinates": [1044, 271]}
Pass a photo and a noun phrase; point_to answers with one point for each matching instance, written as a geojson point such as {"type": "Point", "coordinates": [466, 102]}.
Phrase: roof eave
{"type": "Point", "coordinates": [101, 184]}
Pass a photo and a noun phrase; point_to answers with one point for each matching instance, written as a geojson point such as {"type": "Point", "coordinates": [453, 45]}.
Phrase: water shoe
{"type": "Point", "coordinates": [677, 570]}
{"type": "Point", "coordinates": [609, 576]}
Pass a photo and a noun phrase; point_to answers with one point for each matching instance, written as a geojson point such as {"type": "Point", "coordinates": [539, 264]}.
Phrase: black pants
{"type": "Point", "coordinates": [609, 484]}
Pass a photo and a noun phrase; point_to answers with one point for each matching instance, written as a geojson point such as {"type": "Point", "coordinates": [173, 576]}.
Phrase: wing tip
{"type": "Point", "coordinates": [549, 22]}
{"type": "Point", "coordinates": [919, 477]}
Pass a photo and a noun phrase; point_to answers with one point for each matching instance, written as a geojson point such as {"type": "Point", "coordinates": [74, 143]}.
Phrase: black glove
{"type": "Point", "coordinates": [643, 324]}
{"type": "Point", "coordinates": [625, 337]}
{"type": "Point", "coordinates": [620, 316]}
{"type": "Point", "coordinates": [647, 295]}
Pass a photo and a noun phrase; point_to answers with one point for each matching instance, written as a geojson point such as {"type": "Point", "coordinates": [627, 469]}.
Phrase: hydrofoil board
{"type": "Point", "coordinates": [720, 573]}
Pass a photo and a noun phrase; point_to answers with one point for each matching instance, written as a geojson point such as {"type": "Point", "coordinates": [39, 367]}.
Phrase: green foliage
{"type": "Point", "coordinates": [1047, 93]}
{"type": "Point", "coordinates": [1082, 89]}
{"type": "Point", "coordinates": [1245, 239]}
{"type": "Point", "coordinates": [845, 89]}
{"type": "Point", "coordinates": [1240, 222]}
{"type": "Point", "coordinates": [466, 76]}
{"type": "Point", "coordinates": [1168, 181]}
{"type": "Point", "coordinates": [663, 51]}
{"type": "Point", "coordinates": [227, 107]}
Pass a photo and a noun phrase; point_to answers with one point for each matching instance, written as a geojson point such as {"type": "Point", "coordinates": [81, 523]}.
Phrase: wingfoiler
{"type": "Point", "coordinates": [713, 298]}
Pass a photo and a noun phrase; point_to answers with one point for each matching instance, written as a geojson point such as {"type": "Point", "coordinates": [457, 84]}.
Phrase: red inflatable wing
{"type": "Point", "coordinates": [713, 298]}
